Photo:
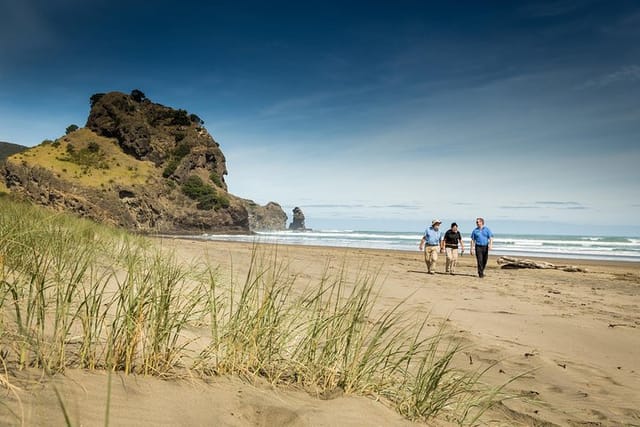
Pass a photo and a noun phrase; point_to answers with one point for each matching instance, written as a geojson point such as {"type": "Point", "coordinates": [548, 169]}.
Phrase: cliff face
{"type": "Point", "coordinates": [136, 164]}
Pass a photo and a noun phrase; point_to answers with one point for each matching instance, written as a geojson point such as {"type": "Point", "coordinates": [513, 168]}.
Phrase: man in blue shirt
{"type": "Point", "coordinates": [481, 244]}
{"type": "Point", "coordinates": [431, 242]}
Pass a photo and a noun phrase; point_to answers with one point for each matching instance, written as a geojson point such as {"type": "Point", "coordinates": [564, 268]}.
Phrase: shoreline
{"type": "Point", "coordinates": [623, 263]}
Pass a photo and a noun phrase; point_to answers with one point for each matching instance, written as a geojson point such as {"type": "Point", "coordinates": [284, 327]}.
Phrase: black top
{"type": "Point", "coordinates": [451, 239]}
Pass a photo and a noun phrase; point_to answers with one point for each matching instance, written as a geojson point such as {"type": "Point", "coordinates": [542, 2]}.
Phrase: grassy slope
{"type": "Point", "coordinates": [120, 167]}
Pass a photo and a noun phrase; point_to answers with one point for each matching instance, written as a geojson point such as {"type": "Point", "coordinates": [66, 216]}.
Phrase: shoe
{"type": "Point", "coordinates": [481, 275]}
{"type": "Point", "coordinates": [451, 273]}
{"type": "Point", "coordinates": [430, 272]}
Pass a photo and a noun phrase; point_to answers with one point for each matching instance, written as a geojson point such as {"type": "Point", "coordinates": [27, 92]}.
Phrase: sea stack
{"type": "Point", "coordinates": [298, 220]}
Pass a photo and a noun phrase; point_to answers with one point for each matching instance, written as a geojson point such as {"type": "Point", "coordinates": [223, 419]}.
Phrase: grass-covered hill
{"type": "Point", "coordinates": [136, 164]}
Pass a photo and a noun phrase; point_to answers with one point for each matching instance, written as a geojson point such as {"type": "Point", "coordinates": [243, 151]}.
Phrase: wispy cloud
{"type": "Point", "coordinates": [408, 206]}
{"type": "Point", "coordinates": [556, 203]}
{"type": "Point", "coordinates": [314, 101]}
{"type": "Point", "coordinates": [519, 207]}
{"type": "Point", "coordinates": [547, 204]}
{"type": "Point", "coordinates": [561, 205]}
{"type": "Point", "coordinates": [411, 207]}
{"type": "Point", "coordinates": [334, 205]}
{"type": "Point", "coordinates": [629, 74]}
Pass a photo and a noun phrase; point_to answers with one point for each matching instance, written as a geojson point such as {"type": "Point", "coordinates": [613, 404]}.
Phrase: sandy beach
{"type": "Point", "coordinates": [574, 338]}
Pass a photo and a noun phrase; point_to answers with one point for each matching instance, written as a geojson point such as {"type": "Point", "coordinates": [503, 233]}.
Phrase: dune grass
{"type": "Point", "coordinates": [78, 295]}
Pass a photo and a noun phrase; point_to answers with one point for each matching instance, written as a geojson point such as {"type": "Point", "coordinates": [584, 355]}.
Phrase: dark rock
{"type": "Point", "coordinates": [298, 220]}
{"type": "Point", "coordinates": [154, 132]}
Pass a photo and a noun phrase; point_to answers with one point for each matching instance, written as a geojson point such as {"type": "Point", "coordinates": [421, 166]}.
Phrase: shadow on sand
{"type": "Point", "coordinates": [443, 274]}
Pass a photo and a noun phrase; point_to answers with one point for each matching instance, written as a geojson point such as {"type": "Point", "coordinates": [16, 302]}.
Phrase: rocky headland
{"type": "Point", "coordinates": [139, 165]}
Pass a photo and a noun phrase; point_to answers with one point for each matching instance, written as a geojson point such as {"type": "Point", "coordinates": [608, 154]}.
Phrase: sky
{"type": "Point", "coordinates": [366, 114]}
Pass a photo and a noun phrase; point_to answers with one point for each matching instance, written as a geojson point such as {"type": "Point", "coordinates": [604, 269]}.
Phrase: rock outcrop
{"type": "Point", "coordinates": [138, 165]}
{"type": "Point", "coordinates": [269, 217]}
{"type": "Point", "coordinates": [298, 220]}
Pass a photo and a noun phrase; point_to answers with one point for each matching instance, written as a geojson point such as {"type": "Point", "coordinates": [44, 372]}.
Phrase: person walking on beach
{"type": "Point", "coordinates": [431, 242]}
{"type": "Point", "coordinates": [481, 244]}
{"type": "Point", "coordinates": [450, 242]}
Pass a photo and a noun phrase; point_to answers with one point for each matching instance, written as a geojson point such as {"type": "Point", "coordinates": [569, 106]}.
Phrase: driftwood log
{"type": "Point", "coordinates": [508, 262]}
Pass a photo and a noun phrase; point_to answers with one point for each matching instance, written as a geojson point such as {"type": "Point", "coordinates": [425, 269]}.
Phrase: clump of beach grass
{"type": "Point", "coordinates": [75, 294]}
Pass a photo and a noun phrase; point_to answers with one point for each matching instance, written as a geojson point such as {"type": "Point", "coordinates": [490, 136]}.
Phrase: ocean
{"type": "Point", "coordinates": [519, 245]}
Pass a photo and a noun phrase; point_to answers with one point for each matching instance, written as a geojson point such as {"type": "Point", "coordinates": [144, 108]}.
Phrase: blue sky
{"type": "Point", "coordinates": [367, 114]}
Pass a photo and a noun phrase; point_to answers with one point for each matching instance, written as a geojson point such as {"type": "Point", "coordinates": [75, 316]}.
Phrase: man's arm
{"type": "Point", "coordinates": [461, 243]}
{"type": "Point", "coordinates": [490, 243]}
{"type": "Point", "coordinates": [422, 243]}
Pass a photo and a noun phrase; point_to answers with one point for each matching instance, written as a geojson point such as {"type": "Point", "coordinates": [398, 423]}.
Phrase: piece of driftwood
{"type": "Point", "coordinates": [509, 262]}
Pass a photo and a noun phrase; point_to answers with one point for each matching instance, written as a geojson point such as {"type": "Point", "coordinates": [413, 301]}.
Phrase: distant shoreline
{"type": "Point", "coordinates": [588, 262]}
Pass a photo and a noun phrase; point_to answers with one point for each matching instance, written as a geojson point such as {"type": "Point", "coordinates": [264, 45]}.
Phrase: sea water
{"type": "Point", "coordinates": [519, 245]}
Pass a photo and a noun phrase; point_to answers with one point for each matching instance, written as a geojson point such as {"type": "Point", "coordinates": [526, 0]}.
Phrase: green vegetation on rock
{"type": "Point", "coordinates": [204, 194]}
{"type": "Point", "coordinates": [90, 156]}
{"type": "Point", "coordinates": [215, 179]}
{"type": "Point", "coordinates": [178, 153]}
{"type": "Point", "coordinates": [71, 128]}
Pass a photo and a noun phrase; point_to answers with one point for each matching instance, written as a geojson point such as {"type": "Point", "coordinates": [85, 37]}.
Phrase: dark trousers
{"type": "Point", "coordinates": [482, 256]}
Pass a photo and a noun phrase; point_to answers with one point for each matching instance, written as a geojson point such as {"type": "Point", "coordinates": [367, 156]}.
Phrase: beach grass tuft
{"type": "Point", "coordinates": [76, 294]}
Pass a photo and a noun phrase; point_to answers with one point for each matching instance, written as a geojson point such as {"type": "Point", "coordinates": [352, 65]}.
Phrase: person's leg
{"type": "Point", "coordinates": [454, 260]}
{"type": "Point", "coordinates": [434, 258]}
{"type": "Point", "coordinates": [485, 258]}
{"type": "Point", "coordinates": [482, 253]}
{"type": "Point", "coordinates": [479, 260]}
{"type": "Point", "coordinates": [449, 258]}
{"type": "Point", "coordinates": [428, 258]}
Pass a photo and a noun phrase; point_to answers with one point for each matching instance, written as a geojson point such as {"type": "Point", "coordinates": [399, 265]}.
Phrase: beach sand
{"type": "Point", "coordinates": [574, 338]}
